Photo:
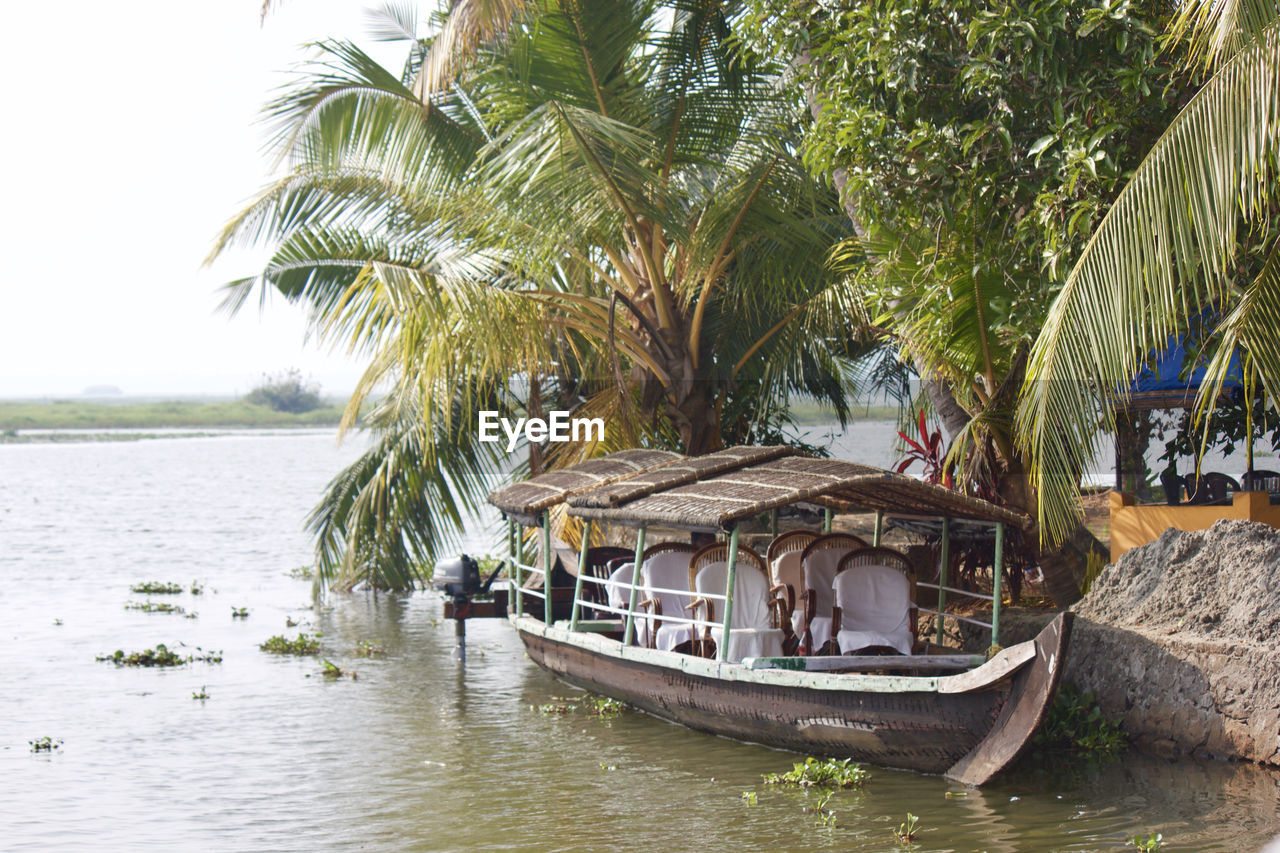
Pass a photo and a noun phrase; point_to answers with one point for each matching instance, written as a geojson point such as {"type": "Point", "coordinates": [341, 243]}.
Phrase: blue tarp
{"type": "Point", "coordinates": [1165, 376]}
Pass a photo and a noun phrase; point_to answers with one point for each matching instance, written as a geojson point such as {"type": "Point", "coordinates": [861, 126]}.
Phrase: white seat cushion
{"type": "Point", "coordinates": [875, 608]}
{"type": "Point", "coordinates": [820, 627]}
{"type": "Point", "coordinates": [754, 643]}
{"type": "Point", "coordinates": [669, 570]}
{"type": "Point", "coordinates": [618, 588]}
{"type": "Point", "coordinates": [751, 617]}
{"type": "Point", "coordinates": [819, 572]}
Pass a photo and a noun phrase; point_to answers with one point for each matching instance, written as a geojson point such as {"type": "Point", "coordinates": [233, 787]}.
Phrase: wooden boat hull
{"type": "Point", "coordinates": [968, 726]}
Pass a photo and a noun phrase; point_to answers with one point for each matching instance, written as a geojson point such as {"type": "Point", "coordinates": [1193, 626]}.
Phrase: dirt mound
{"type": "Point", "coordinates": [1180, 637]}
{"type": "Point", "coordinates": [1219, 584]}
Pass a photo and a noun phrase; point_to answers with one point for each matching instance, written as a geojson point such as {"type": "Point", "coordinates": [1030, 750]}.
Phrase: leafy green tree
{"type": "Point", "coordinates": [1194, 234]}
{"type": "Point", "coordinates": [286, 392]}
{"type": "Point", "coordinates": [975, 146]}
{"type": "Point", "coordinates": [602, 211]}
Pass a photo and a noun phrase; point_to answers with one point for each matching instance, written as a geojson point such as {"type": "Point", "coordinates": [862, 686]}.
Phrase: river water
{"type": "Point", "coordinates": [418, 753]}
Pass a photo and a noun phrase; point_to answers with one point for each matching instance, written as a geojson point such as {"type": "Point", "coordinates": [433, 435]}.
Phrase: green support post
{"type": "Point", "coordinates": [826, 520]}
{"type": "Point", "coordinates": [728, 592]}
{"type": "Point", "coordinates": [635, 583]}
{"type": "Point", "coordinates": [943, 562]}
{"type": "Point", "coordinates": [875, 537]}
{"type": "Point", "coordinates": [546, 568]}
{"type": "Point", "coordinates": [582, 570]}
{"type": "Point", "coordinates": [517, 549]}
{"type": "Point", "coordinates": [996, 571]}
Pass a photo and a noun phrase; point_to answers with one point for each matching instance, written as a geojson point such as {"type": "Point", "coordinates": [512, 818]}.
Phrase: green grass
{"type": "Point", "coordinates": [73, 414]}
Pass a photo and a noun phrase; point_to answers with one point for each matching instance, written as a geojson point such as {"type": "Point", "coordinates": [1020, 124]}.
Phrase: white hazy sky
{"type": "Point", "coordinates": [131, 134]}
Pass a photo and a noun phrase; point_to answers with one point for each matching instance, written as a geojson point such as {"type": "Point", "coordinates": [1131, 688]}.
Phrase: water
{"type": "Point", "coordinates": [417, 754]}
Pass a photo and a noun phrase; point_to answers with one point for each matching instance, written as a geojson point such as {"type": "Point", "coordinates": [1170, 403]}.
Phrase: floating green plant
{"type": "Point", "coordinates": [197, 588]}
{"type": "Point", "coordinates": [826, 815]}
{"type": "Point", "coordinates": [596, 706]}
{"type": "Point", "coordinates": [239, 613]}
{"type": "Point", "coordinates": [57, 621]}
{"type": "Point", "coordinates": [1152, 842]}
{"type": "Point", "coordinates": [161, 655]}
{"type": "Point", "coordinates": [603, 706]}
{"type": "Point", "coordinates": [303, 644]}
{"type": "Point", "coordinates": [290, 622]}
{"type": "Point", "coordinates": [156, 588]}
{"type": "Point", "coordinates": [368, 649]}
{"type": "Point", "coordinates": [749, 797]}
{"type": "Point", "coordinates": [200, 694]}
{"type": "Point", "coordinates": [827, 773]}
{"type": "Point", "coordinates": [45, 744]}
{"type": "Point", "coordinates": [333, 671]}
{"type": "Point", "coordinates": [301, 573]}
{"type": "Point", "coordinates": [155, 607]}
{"type": "Point", "coordinates": [906, 830]}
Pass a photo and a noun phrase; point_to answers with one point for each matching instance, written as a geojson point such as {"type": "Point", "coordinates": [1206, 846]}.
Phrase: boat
{"type": "Point", "coordinates": [966, 716]}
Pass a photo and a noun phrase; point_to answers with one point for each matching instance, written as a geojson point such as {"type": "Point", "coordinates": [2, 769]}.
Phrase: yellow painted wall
{"type": "Point", "coordinates": [1133, 525]}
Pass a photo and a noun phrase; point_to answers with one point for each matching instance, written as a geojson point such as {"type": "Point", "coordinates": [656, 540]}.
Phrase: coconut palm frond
{"type": "Point", "coordinates": [1162, 254]}
{"type": "Point", "coordinates": [470, 24]}
{"type": "Point", "coordinates": [544, 206]}
{"type": "Point", "coordinates": [393, 22]}
{"type": "Point", "coordinates": [399, 507]}
{"type": "Point", "coordinates": [1250, 328]}
{"type": "Point", "coordinates": [1218, 29]}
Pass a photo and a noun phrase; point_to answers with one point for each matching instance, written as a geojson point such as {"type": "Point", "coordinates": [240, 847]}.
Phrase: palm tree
{"type": "Point", "coordinates": [1194, 231]}
{"type": "Point", "coordinates": [603, 211]}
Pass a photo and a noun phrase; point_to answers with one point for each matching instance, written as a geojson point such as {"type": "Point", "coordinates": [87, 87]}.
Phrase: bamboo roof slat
{"type": "Point", "coordinates": [719, 500]}
{"type": "Point", "coordinates": [690, 470]}
{"type": "Point", "coordinates": [532, 496]}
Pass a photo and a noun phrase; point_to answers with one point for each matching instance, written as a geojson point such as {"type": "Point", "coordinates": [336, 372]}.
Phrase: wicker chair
{"type": "Point", "coordinates": [874, 610]}
{"type": "Point", "coordinates": [756, 614]}
{"type": "Point", "coordinates": [784, 556]}
{"type": "Point", "coordinates": [618, 591]}
{"type": "Point", "coordinates": [666, 567]}
{"type": "Point", "coordinates": [819, 560]}
{"type": "Point", "coordinates": [598, 560]}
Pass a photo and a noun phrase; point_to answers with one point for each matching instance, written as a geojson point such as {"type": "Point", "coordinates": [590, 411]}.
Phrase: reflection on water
{"type": "Point", "coordinates": [417, 754]}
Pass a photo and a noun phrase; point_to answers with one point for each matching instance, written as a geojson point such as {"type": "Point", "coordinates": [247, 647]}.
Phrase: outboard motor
{"type": "Point", "coordinates": [459, 577]}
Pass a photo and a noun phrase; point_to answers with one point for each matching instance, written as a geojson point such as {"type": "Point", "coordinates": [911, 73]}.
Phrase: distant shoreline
{"type": "Point", "coordinates": [144, 414]}
{"type": "Point", "coordinates": [19, 415]}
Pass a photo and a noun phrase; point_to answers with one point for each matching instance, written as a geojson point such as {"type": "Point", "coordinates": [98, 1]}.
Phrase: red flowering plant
{"type": "Point", "coordinates": [929, 450]}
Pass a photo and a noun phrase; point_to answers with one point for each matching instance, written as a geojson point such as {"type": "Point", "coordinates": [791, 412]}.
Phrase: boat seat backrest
{"type": "Point", "coordinates": [750, 593]}
{"type": "Point", "coordinates": [875, 590]}
{"type": "Point", "coordinates": [873, 598]}
{"type": "Point", "coordinates": [598, 559]}
{"type": "Point", "coordinates": [618, 587]}
{"type": "Point", "coordinates": [819, 561]}
{"type": "Point", "coordinates": [788, 570]}
{"type": "Point", "coordinates": [667, 568]}
{"type": "Point", "coordinates": [792, 540]}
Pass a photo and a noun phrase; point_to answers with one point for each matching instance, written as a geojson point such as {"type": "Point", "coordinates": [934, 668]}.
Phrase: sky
{"type": "Point", "coordinates": [132, 133]}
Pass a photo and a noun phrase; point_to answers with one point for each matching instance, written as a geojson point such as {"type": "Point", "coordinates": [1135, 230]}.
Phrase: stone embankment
{"type": "Point", "coordinates": [1180, 638]}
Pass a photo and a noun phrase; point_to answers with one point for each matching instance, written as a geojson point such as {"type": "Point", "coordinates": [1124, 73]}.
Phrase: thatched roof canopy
{"type": "Point", "coordinates": [716, 502]}
{"type": "Point", "coordinates": [689, 470]}
{"type": "Point", "coordinates": [526, 499]}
